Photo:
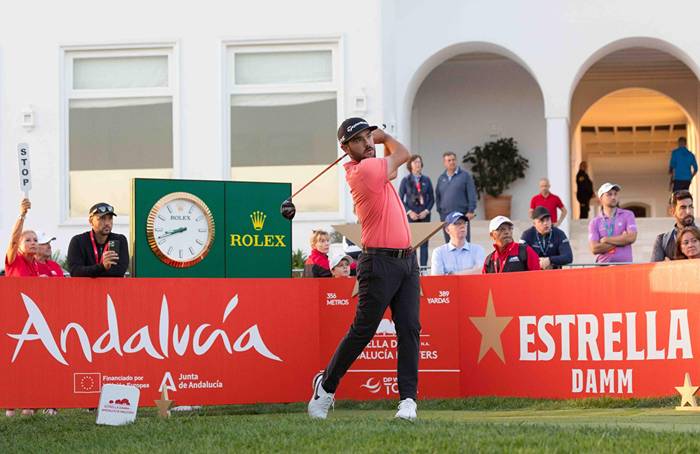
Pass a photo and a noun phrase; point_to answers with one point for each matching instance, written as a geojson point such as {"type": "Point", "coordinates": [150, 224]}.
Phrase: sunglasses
{"type": "Point", "coordinates": [102, 209]}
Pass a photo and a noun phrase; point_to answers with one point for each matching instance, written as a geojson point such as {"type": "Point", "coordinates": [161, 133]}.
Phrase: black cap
{"type": "Point", "coordinates": [541, 212]}
{"type": "Point", "coordinates": [352, 127]}
{"type": "Point", "coordinates": [102, 208]}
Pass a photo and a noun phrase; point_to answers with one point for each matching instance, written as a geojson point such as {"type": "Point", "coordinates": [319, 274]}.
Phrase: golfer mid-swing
{"type": "Point", "coordinates": [387, 270]}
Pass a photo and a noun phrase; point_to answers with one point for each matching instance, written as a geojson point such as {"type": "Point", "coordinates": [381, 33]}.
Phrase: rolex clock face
{"type": "Point", "coordinates": [180, 229]}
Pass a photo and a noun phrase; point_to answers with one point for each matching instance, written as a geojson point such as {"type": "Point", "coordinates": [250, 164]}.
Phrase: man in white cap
{"type": "Point", "coordinates": [45, 266]}
{"type": "Point", "coordinates": [340, 265]}
{"type": "Point", "coordinates": [612, 232]}
{"type": "Point", "coordinates": [508, 256]}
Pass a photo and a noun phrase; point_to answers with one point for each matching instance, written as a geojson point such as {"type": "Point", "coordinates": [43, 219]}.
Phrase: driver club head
{"type": "Point", "coordinates": [287, 209]}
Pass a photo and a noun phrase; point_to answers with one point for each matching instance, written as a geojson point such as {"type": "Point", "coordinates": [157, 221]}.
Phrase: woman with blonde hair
{"type": "Point", "coordinates": [317, 265]}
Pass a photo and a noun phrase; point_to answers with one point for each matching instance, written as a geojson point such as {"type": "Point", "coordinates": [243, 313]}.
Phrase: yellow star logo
{"type": "Point", "coordinates": [490, 326]}
{"type": "Point", "coordinates": [687, 392]}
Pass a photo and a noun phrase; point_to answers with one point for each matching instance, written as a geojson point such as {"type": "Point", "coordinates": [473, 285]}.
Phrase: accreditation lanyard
{"type": "Point", "coordinates": [505, 260]}
{"type": "Point", "coordinates": [542, 243]}
{"type": "Point", "coordinates": [418, 189]}
{"type": "Point", "coordinates": [610, 226]}
{"type": "Point", "coordinates": [94, 247]}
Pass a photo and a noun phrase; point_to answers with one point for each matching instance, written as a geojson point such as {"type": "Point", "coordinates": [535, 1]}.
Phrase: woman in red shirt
{"type": "Point", "coordinates": [20, 260]}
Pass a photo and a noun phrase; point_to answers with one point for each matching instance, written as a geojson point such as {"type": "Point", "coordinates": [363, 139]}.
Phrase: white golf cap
{"type": "Point", "coordinates": [496, 222]}
{"type": "Point", "coordinates": [335, 259]}
{"type": "Point", "coordinates": [43, 238]}
{"type": "Point", "coordinates": [605, 187]}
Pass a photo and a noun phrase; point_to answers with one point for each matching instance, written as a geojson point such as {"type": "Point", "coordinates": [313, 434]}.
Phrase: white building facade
{"type": "Point", "coordinates": [255, 91]}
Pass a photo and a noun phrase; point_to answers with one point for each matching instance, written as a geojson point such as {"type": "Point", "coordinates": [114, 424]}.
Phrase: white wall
{"type": "Point", "coordinates": [31, 35]}
{"type": "Point", "coordinates": [466, 103]}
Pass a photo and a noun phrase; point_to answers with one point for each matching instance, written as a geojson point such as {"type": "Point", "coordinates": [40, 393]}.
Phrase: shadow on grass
{"type": "Point", "coordinates": [473, 403]}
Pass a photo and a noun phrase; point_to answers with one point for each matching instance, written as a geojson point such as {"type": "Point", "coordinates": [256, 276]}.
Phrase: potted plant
{"type": "Point", "coordinates": [495, 166]}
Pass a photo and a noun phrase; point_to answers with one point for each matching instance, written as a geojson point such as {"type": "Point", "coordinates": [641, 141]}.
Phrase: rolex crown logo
{"type": "Point", "coordinates": [258, 219]}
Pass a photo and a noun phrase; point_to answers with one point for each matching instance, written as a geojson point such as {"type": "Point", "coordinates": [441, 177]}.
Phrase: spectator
{"type": "Point", "coordinates": [688, 243]}
{"type": "Point", "coordinates": [612, 232]}
{"type": "Point", "coordinates": [665, 244]}
{"type": "Point", "coordinates": [549, 242]}
{"type": "Point", "coordinates": [584, 190]}
{"type": "Point", "coordinates": [20, 258]}
{"type": "Point", "coordinates": [682, 166]}
{"type": "Point", "coordinates": [45, 266]}
{"type": "Point", "coordinates": [458, 256]}
{"type": "Point", "coordinates": [340, 265]}
{"type": "Point", "coordinates": [416, 193]}
{"type": "Point", "coordinates": [508, 256]}
{"type": "Point", "coordinates": [455, 190]}
{"type": "Point", "coordinates": [317, 264]}
{"type": "Point", "coordinates": [90, 254]}
{"type": "Point", "coordinates": [550, 201]}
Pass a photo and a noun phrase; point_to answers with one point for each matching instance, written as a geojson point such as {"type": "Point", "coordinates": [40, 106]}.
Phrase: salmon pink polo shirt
{"type": "Point", "coordinates": [378, 207]}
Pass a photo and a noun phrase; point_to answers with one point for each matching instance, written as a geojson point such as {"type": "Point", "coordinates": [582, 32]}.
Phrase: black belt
{"type": "Point", "coordinates": [398, 253]}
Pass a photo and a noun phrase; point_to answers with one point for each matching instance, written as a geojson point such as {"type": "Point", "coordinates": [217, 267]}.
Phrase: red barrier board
{"type": "Point", "coordinates": [629, 331]}
{"type": "Point", "coordinates": [213, 341]}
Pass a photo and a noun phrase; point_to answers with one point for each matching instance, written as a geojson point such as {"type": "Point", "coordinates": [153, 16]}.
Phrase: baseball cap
{"type": "Point", "coordinates": [102, 208]}
{"type": "Point", "coordinates": [541, 212]}
{"type": "Point", "coordinates": [455, 216]}
{"type": "Point", "coordinates": [335, 259]}
{"type": "Point", "coordinates": [43, 238]}
{"type": "Point", "coordinates": [352, 127]}
{"type": "Point", "coordinates": [496, 222]}
{"type": "Point", "coordinates": [605, 187]}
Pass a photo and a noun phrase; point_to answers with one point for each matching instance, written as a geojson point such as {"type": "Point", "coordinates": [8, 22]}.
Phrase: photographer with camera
{"type": "Point", "coordinates": [416, 193]}
{"type": "Point", "coordinates": [98, 252]}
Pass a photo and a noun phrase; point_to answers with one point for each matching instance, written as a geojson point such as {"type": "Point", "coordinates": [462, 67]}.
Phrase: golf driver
{"type": "Point", "coordinates": [287, 209]}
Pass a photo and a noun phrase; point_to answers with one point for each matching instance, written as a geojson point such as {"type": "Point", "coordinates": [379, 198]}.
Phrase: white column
{"type": "Point", "coordinates": [558, 163]}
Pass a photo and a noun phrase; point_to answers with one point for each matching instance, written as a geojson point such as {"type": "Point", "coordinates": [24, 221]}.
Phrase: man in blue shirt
{"type": "Point", "coordinates": [458, 256]}
{"type": "Point", "coordinates": [682, 166]}
{"type": "Point", "coordinates": [550, 243]}
{"type": "Point", "coordinates": [455, 190]}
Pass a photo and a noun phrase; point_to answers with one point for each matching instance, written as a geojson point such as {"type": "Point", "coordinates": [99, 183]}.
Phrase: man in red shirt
{"type": "Point", "coordinates": [387, 270]}
{"type": "Point", "coordinates": [45, 266]}
{"type": "Point", "coordinates": [508, 256]}
{"type": "Point", "coordinates": [550, 201]}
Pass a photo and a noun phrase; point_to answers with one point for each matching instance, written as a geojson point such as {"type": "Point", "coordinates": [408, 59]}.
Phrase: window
{"type": "Point", "coordinates": [119, 123]}
{"type": "Point", "coordinates": [283, 114]}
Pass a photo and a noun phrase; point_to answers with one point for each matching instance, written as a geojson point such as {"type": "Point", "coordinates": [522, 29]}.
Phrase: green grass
{"type": "Point", "coordinates": [480, 424]}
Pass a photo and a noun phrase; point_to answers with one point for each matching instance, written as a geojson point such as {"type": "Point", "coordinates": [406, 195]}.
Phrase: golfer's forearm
{"type": "Point", "coordinates": [396, 149]}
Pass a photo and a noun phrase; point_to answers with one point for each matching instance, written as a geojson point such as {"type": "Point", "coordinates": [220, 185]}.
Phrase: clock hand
{"type": "Point", "coordinates": [172, 232]}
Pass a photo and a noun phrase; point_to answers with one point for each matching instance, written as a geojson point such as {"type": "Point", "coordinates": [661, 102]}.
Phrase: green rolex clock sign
{"type": "Point", "coordinates": [191, 228]}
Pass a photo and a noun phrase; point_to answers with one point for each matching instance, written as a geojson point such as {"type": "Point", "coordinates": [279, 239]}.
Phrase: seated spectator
{"type": "Point", "coordinates": [508, 256]}
{"type": "Point", "coordinates": [90, 254]}
{"type": "Point", "coordinates": [665, 244]}
{"type": "Point", "coordinates": [688, 243]}
{"type": "Point", "coordinates": [613, 231]}
{"type": "Point", "coordinates": [317, 264]}
{"type": "Point", "coordinates": [458, 256]}
{"type": "Point", "coordinates": [340, 265]}
{"type": "Point", "coordinates": [46, 266]}
{"type": "Point", "coordinates": [20, 258]}
{"type": "Point", "coordinates": [549, 242]}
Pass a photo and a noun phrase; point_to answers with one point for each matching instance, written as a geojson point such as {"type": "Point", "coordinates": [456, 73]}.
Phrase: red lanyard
{"type": "Point", "coordinates": [505, 260]}
{"type": "Point", "coordinates": [94, 247]}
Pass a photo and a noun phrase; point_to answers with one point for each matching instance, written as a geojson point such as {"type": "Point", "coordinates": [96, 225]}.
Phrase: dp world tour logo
{"type": "Point", "coordinates": [373, 385]}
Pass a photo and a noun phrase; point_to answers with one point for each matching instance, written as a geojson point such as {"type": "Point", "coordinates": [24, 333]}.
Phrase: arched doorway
{"type": "Point", "coordinates": [627, 113]}
{"type": "Point", "coordinates": [475, 97]}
